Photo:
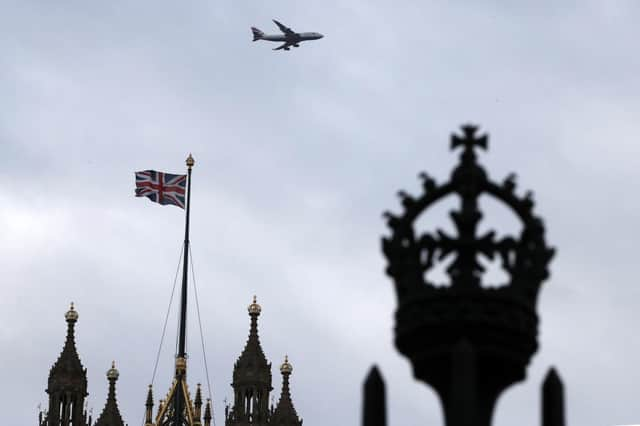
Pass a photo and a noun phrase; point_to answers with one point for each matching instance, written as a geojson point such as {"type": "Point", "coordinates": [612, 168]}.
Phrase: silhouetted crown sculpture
{"type": "Point", "coordinates": [468, 341]}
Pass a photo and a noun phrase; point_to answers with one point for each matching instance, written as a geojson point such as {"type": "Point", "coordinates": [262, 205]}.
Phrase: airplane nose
{"type": "Point", "coordinates": [320, 35]}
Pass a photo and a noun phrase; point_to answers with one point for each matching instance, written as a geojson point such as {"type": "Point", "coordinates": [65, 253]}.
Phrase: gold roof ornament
{"type": "Point", "coordinates": [72, 314]}
{"type": "Point", "coordinates": [254, 308]}
{"type": "Point", "coordinates": [286, 367]}
{"type": "Point", "coordinates": [113, 373]}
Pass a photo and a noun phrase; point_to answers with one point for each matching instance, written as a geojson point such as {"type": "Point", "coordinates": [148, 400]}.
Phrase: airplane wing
{"type": "Point", "coordinates": [284, 28]}
{"type": "Point", "coordinates": [285, 46]}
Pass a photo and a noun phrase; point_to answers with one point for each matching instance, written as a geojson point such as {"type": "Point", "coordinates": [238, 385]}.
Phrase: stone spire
{"type": "Point", "coordinates": [252, 353]}
{"type": "Point", "coordinates": [67, 385]}
{"type": "Point", "coordinates": [285, 413]}
{"type": "Point", "coordinates": [110, 415]}
{"type": "Point", "coordinates": [251, 379]}
{"type": "Point", "coordinates": [148, 412]}
{"type": "Point", "coordinates": [197, 403]}
{"type": "Point", "coordinates": [207, 413]}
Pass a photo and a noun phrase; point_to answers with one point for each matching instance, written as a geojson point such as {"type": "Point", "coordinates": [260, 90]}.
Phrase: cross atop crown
{"type": "Point", "coordinates": [469, 139]}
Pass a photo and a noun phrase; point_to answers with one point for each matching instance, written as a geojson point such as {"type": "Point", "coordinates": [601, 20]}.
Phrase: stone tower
{"type": "Point", "coordinates": [110, 415]}
{"type": "Point", "coordinates": [251, 380]}
{"type": "Point", "coordinates": [67, 385]}
{"type": "Point", "coordinates": [67, 388]}
{"type": "Point", "coordinates": [285, 413]}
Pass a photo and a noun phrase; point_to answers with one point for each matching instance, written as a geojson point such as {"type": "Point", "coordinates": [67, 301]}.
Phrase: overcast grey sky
{"type": "Point", "coordinates": [297, 155]}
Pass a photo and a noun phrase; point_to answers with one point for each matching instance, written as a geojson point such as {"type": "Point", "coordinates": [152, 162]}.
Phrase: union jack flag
{"type": "Point", "coordinates": [159, 187]}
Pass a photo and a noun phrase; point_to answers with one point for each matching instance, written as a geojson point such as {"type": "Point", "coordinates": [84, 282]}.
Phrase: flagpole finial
{"type": "Point", "coordinates": [190, 161]}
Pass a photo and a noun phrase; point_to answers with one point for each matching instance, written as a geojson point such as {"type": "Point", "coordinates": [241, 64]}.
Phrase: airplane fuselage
{"type": "Point", "coordinates": [292, 38]}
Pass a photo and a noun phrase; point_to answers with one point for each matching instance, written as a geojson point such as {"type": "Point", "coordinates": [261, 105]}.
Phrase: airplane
{"type": "Point", "coordinates": [289, 37]}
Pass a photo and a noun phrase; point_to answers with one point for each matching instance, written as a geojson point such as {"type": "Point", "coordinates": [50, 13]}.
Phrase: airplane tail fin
{"type": "Point", "coordinates": [257, 34]}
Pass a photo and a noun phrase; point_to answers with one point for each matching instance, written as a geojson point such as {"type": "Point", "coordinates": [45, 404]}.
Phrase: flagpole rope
{"type": "Point", "coordinates": [164, 327]}
{"type": "Point", "coordinates": [175, 350]}
{"type": "Point", "coordinates": [204, 353]}
{"type": "Point", "coordinates": [166, 318]}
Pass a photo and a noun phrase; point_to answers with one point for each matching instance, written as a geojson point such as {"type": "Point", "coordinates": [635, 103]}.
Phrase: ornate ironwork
{"type": "Point", "coordinates": [468, 341]}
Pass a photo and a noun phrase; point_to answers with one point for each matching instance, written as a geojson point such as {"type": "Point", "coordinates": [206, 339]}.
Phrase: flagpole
{"type": "Point", "coordinates": [183, 308]}
{"type": "Point", "coordinates": [181, 362]}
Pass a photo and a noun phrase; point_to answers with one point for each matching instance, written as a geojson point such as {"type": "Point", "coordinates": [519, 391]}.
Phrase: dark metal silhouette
{"type": "Point", "coordinates": [467, 340]}
{"type": "Point", "coordinates": [552, 400]}
{"type": "Point", "coordinates": [374, 404]}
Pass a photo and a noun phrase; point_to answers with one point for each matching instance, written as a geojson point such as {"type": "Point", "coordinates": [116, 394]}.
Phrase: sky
{"type": "Point", "coordinates": [297, 155]}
